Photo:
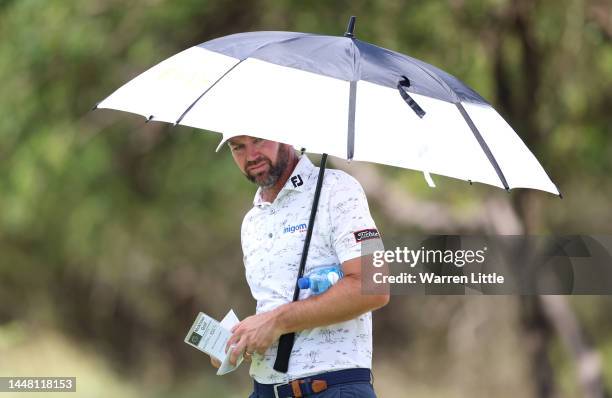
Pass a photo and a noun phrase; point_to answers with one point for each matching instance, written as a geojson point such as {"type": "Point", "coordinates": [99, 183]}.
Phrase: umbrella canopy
{"type": "Point", "coordinates": [336, 95]}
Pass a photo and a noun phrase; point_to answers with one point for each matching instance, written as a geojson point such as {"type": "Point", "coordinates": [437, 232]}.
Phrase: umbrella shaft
{"type": "Point", "coordinates": [285, 343]}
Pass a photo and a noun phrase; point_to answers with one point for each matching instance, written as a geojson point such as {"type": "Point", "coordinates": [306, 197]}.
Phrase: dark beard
{"type": "Point", "coordinates": [274, 170]}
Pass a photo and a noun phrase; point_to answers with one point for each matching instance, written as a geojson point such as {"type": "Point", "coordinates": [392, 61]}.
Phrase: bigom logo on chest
{"type": "Point", "coordinates": [290, 229]}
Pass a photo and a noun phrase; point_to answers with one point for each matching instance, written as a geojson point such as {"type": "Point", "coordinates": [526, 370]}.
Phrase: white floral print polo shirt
{"type": "Point", "coordinates": [272, 241]}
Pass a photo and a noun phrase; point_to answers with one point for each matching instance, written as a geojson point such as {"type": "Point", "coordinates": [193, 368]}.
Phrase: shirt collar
{"type": "Point", "coordinates": [302, 173]}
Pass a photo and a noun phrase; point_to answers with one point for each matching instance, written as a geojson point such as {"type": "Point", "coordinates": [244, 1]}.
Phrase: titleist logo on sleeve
{"type": "Point", "coordinates": [366, 234]}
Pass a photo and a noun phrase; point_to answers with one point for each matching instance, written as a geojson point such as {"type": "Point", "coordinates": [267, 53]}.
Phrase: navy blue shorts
{"type": "Point", "coordinates": [349, 390]}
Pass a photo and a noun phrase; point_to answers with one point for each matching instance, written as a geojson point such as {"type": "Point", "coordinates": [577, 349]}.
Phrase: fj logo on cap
{"type": "Point", "coordinates": [366, 234]}
{"type": "Point", "coordinates": [296, 181]}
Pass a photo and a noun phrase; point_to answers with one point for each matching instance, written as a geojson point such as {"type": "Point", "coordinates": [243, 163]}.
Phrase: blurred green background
{"type": "Point", "coordinates": [115, 233]}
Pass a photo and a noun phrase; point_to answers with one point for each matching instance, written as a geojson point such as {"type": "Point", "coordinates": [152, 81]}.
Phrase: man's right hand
{"type": "Point", "coordinates": [214, 362]}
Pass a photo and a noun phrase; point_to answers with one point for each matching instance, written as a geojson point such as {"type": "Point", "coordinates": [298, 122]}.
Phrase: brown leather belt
{"type": "Point", "coordinates": [312, 384]}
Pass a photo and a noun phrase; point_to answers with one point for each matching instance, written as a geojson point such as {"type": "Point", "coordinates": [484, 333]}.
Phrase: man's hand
{"type": "Point", "coordinates": [254, 334]}
{"type": "Point", "coordinates": [216, 363]}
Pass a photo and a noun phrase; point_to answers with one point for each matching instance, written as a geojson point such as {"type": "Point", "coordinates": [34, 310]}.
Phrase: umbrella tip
{"type": "Point", "coordinates": [149, 119]}
{"type": "Point", "coordinates": [95, 106]}
{"type": "Point", "coordinates": [351, 27]}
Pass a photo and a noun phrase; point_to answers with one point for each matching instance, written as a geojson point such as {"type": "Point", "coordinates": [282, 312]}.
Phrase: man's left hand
{"type": "Point", "coordinates": [254, 334]}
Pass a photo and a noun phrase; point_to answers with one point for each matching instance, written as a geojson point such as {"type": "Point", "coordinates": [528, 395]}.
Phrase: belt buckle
{"type": "Point", "coordinates": [275, 388]}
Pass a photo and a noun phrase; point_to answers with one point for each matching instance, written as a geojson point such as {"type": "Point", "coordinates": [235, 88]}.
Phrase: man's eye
{"type": "Point", "coordinates": [237, 147]}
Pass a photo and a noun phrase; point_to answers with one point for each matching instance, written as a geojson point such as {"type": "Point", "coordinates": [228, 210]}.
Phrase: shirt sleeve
{"type": "Point", "coordinates": [353, 232]}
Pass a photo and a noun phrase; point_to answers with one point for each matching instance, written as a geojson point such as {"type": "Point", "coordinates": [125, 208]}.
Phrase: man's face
{"type": "Point", "coordinates": [261, 161]}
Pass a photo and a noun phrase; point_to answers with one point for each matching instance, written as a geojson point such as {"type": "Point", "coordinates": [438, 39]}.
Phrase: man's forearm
{"type": "Point", "coordinates": [340, 303]}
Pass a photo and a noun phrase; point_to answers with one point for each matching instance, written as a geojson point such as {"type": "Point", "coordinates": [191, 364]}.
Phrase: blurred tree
{"type": "Point", "coordinates": [119, 232]}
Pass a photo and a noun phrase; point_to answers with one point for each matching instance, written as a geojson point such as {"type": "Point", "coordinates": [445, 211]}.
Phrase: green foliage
{"type": "Point", "coordinates": [119, 232]}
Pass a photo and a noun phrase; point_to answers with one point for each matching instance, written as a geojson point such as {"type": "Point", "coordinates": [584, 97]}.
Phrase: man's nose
{"type": "Point", "coordinates": [252, 152]}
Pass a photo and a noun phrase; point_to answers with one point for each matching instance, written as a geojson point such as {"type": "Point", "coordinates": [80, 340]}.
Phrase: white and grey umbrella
{"type": "Point", "coordinates": [339, 96]}
{"type": "Point", "coordinates": [336, 95]}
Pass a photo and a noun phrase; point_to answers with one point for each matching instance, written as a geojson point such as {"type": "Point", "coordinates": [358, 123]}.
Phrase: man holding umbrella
{"type": "Point", "coordinates": [335, 95]}
{"type": "Point", "coordinates": [333, 344]}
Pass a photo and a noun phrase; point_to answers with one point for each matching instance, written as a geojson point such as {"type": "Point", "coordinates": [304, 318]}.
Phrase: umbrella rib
{"type": "Point", "coordinates": [483, 144]}
{"type": "Point", "coordinates": [231, 69]}
{"type": "Point", "coordinates": [207, 90]}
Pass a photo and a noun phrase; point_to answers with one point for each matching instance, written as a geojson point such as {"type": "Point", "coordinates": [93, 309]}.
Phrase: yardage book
{"type": "Point", "coordinates": [210, 336]}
